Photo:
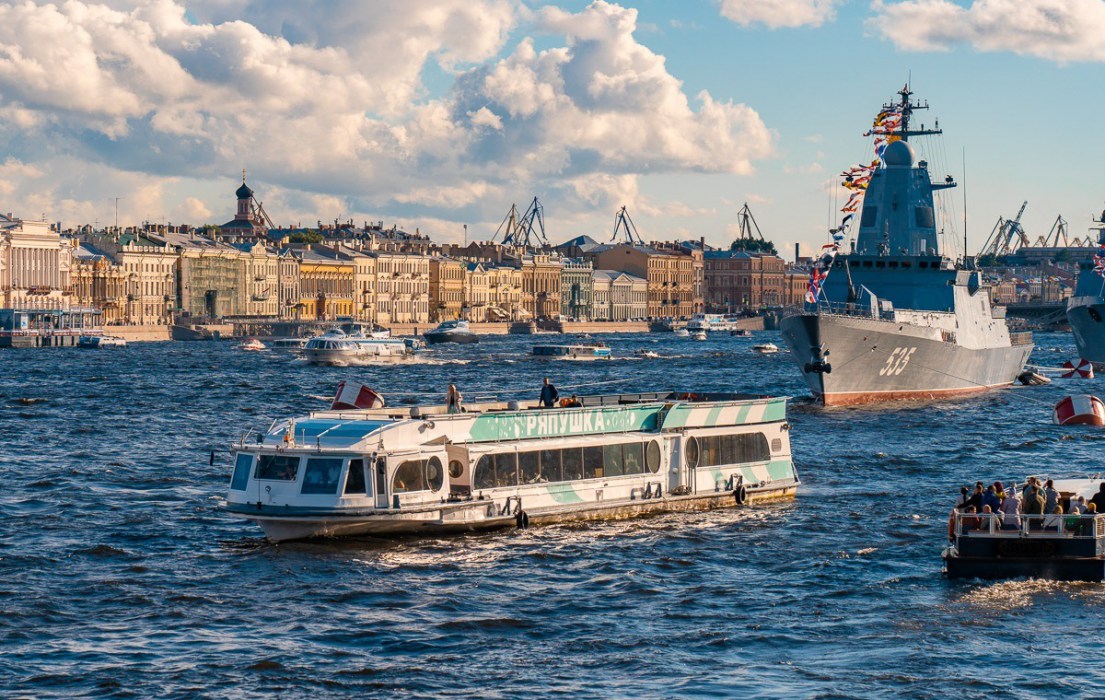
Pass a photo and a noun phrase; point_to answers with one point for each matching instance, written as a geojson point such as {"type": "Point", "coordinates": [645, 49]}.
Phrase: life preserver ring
{"type": "Point", "coordinates": [688, 396]}
{"type": "Point", "coordinates": [740, 495]}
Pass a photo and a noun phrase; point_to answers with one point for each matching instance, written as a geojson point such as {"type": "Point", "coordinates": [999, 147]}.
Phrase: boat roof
{"type": "Point", "coordinates": [406, 428]}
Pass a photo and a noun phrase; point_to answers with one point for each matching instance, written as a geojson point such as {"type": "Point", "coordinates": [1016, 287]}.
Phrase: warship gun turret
{"type": "Point", "coordinates": [894, 318]}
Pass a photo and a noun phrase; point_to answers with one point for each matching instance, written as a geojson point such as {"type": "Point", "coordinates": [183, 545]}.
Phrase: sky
{"type": "Point", "coordinates": [436, 114]}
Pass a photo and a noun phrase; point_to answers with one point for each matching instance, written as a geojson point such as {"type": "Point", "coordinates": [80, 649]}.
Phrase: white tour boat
{"type": "Point", "coordinates": [289, 343]}
{"type": "Point", "coordinates": [335, 347]}
{"type": "Point", "coordinates": [502, 464]}
{"type": "Point", "coordinates": [98, 342]}
{"type": "Point", "coordinates": [713, 322]}
{"type": "Point", "coordinates": [571, 352]}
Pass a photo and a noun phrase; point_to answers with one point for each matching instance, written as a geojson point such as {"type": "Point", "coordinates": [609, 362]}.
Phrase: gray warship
{"type": "Point", "coordinates": [894, 318]}
{"type": "Point", "coordinates": [1086, 307]}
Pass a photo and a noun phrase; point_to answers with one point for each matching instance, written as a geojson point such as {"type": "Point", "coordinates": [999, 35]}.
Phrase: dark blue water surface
{"type": "Point", "coordinates": [121, 577]}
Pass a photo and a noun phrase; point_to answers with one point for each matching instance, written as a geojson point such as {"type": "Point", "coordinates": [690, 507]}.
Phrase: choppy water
{"type": "Point", "coordinates": [119, 576]}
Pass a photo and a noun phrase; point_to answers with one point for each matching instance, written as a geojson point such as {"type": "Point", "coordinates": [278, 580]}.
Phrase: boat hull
{"type": "Point", "coordinates": [482, 515]}
{"type": "Point", "coordinates": [1087, 322]}
{"type": "Point", "coordinates": [462, 338]}
{"type": "Point", "coordinates": [855, 360]}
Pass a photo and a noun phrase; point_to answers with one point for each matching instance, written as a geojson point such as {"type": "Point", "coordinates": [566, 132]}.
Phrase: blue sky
{"type": "Point", "coordinates": [439, 114]}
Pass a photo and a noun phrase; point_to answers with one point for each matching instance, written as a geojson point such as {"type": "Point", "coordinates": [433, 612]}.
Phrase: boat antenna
{"type": "Point", "coordinates": [964, 206]}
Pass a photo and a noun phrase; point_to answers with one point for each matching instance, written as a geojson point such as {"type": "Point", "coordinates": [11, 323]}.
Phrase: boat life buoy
{"type": "Point", "coordinates": [1079, 409]}
{"type": "Point", "coordinates": [1083, 370]}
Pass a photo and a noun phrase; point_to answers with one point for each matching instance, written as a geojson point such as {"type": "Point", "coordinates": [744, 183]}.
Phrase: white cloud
{"type": "Point", "coordinates": [780, 13]}
{"type": "Point", "coordinates": [1058, 30]}
{"type": "Point", "coordinates": [163, 102]}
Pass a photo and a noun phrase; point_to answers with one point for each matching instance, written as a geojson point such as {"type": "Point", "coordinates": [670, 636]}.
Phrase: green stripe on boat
{"type": "Point", "coordinates": [563, 493]}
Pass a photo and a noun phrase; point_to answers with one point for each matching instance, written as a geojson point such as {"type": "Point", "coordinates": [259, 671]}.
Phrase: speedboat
{"type": "Point", "coordinates": [252, 345]}
{"type": "Point", "coordinates": [98, 342]}
{"type": "Point", "coordinates": [698, 335]}
{"type": "Point", "coordinates": [647, 354]}
{"type": "Point", "coordinates": [766, 348]}
{"type": "Point", "coordinates": [352, 471]}
{"type": "Point", "coordinates": [335, 347]}
{"type": "Point", "coordinates": [451, 332]}
{"type": "Point", "coordinates": [741, 333]}
{"type": "Point", "coordinates": [571, 352]}
{"type": "Point", "coordinates": [681, 332]}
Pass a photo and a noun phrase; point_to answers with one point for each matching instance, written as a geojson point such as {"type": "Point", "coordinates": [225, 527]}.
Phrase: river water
{"type": "Point", "coordinates": [120, 577]}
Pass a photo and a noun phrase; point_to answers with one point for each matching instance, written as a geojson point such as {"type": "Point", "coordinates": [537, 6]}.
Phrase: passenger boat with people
{"type": "Point", "coordinates": [502, 464]}
{"type": "Point", "coordinates": [572, 352]}
{"type": "Point", "coordinates": [1065, 545]}
{"type": "Point", "coordinates": [99, 342]}
{"type": "Point", "coordinates": [714, 322]}
{"type": "Point", "coordinates": [451, 332]}
{"type": "Point", "coordinates": [335, 347]}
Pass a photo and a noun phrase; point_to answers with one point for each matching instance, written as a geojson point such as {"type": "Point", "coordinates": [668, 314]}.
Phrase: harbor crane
{"type": "Point", "coordinates": [624, 224]}
{"type": "Point", "coordinates": [1007, 237]}
{"type": "Point", "coordinates": [1056, 237]}
{"type": "Point", "coordinates": [527, 230]}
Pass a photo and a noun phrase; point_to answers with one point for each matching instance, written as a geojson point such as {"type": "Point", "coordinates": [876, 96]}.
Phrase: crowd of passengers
{"type": "Point", "coordinates": [995, 507]}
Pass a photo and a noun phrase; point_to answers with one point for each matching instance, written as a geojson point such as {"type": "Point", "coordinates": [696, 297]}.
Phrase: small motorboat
{"type": "Point", "coordinates": [451, 332]}
{"type": "Point", "coordinates": [571, 352]}
{"type": "Point", "coordinates": [98, 342]}
{"type": "Point", "coordinates": [741, 333]}
{"type": "Point", "coordinates": [647, 354]}
{"type": "Point", "coordinates": [766, 348]}
{"type": "Point", "coordinates": [681, 332]}
{"type": "Point", "coordinates": [252, 345]}
{"type": "Point", "coordinates": [1030, 378]}
{"type": "Point", "coordinates": [698, 335]}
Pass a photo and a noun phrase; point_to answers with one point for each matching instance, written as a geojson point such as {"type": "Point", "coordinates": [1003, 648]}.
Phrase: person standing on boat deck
{"type": "Point", "coordinates": [975, 499]}
{"type": "Point", "coordinates": [1099, 498]}
{"type": "Point", "coordinates": [1051, 497]}
{"type": "Point", "coordinates": [1010, 511]}
{"type": "Point", "coordinates": [990, 498]}
{"type": "Point", "coordinates": [549, 394]}
{"type": "Point", "coordinates": [453, 398]}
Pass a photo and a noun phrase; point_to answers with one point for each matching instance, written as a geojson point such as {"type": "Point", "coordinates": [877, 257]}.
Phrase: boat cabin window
{"type": "Point", "coordinates": [321, 476]}
{"type": "Point", "coordinates": [734, 449]}
{"type": "Point", "coordinates": [435, 477]}
{"type": "Point", "coordinates": [409, 476]}
{"type": "Point", "coordinates": [277, 468]}
{"type": "Point", "coordinates": [690, 452]}
{"type": "Point", "coordinates": [568, 464]}
{"type": "Point", "coordinates": [592, 463]}
{"type": "Point", "coordinates": [529, 466]}
{"type": "Point", "coordinates": [456, 469]}
{"type": "Point", "coordinates": [241, 472]}
{"type": "Point", "coordinates": [354, 480]}
{"type": "Point", "coordinates": [652, 456]}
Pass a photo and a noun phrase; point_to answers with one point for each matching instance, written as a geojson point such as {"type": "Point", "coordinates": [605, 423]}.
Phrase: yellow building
{"type": "Point", "coordinates": [325, 283]}
{"type": "Point", "coordinates": [446, 288]}
{"type": "Point", "coordinates": [673, 276]}
{"type": "Point", "coordinates": [34, 265]}
{"type": "Point", "coordinates": [402, 288]}
{"type": "Point", "coordinates": [99, 283]}
{"type": "Point", "coordinates": [504, 293]}
{"type": "Point", "coordinates": [541, 284]}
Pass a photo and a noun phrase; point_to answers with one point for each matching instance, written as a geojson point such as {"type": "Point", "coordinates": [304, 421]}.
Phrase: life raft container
{"type": "Point", "coordinates": [1080, 409]}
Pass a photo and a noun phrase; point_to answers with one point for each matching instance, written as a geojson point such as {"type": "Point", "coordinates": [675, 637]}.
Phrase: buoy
{"type": "Point", "coordinates": [1080, 409]}
{"type": "Point", "coordinates": [1083, 370]}
{"type": "Point", "coordinates": [354, 395]}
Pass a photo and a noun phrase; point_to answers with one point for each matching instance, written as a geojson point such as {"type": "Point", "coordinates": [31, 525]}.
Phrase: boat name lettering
{"type": "Point", "coordinates": [548, 424]}
{"type": "Point", "coordinates": [896, 363]}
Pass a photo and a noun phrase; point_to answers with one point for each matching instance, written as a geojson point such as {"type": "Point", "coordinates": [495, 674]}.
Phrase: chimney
{"type": "Point", "coordinates": [702, 242]}
{"type": "Point", "coordinates": [795, 253]}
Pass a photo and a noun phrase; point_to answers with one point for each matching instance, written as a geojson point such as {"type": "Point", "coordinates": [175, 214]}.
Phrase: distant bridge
{"type": "Point", "coordinates": [1038, 315]}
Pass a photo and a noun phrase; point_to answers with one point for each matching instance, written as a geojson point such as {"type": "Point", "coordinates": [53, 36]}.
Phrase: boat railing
{"type": "Point", "coordinates": [839, 308]}
{"type": "Point", "coordinates": [1067, 525]}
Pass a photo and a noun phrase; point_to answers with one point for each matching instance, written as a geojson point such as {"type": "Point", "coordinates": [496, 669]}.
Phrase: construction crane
{"type": "Point", "coordinates": [747, 222]}
{"type": "Point", "coordinates": [623, 223]}
{"type": "Point", "coordinates": [1008, 235]}
{"type": "Point", "coordinates": [527, 230]}
{"type": "Point", "coordinates": [1056, 237]}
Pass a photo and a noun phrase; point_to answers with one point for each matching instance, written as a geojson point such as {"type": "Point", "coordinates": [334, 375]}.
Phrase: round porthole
{"type": "Point", "coordinates": [691, 452]}
{"type": "Point", "coordinates": [456, 469]}
{"type": "Point", "coordinates": [434, 476]}
{"type": "Point", "coordinates": [652, 456]}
